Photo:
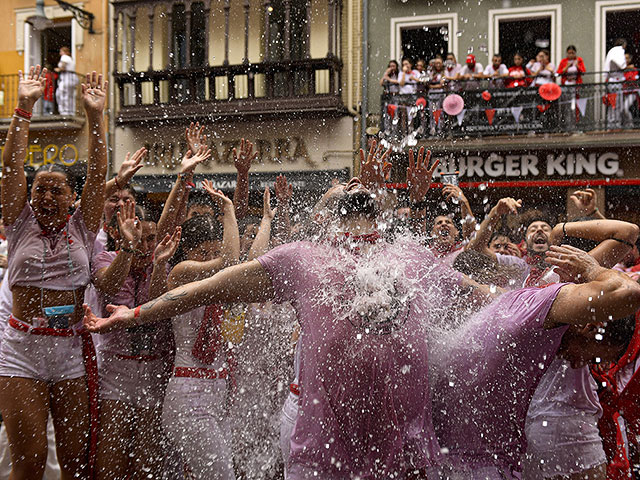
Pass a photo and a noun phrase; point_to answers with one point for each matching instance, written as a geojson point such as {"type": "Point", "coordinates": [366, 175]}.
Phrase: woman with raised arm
{"type": "Point", "coordinates": [133, 268]}
{"type": "Point", "coordinates": [41, 357]}
{"type": "Point", "coordinates": [194, 408]}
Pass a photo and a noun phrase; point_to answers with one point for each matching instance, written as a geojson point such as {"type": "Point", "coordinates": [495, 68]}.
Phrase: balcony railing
{"type": "Point", "coordinates": [310, 85]}
{"type": "Point", "coordinates": [586, 107]}
{"type": "Point", "coordinates": [48, 109]}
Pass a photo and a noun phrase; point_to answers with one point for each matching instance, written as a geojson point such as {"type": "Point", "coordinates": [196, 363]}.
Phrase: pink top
{"type": "Point", "coordinates": [143, 340]}
{"type": "Point", "coordinates": [485, 373]}
{"type": "Point", "coordinates": [66, 263]}
{"type": "Point", "coordinates": [364, 406]}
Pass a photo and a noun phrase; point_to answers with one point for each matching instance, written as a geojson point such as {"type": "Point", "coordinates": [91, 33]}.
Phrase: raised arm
{"type": "Point", "coordinates": [615, 238]}
{"type": "Point", "coordinates": [284, 192]}
{"type": "Point", "coordinates": [260, 244]}
{"type": "Point", "coordinates": [242, 162]}
{"type": "Point", "coordinates": [191, 271]}
{"type": "Point", "coordinates": [168, 220]}
{"type": "Point", "coordinates": [480, 243]}
{"type": "Point", "coordinates": [245, 283]}
{"type": "Point", "coordinates": [605, 294]}
{"type": "Point", "coordinates": [109, 280]}
{"type": "Point", "coordinates": [419, 177]}
{"type": "Point", "coordinates": [468, 220]}
{"type": "Point", "coordinates": [161, 255]}
{"type": "Point", "coordinates": [130, 166]}
{"type": "Point", "coordinates": [14, 181]}
{"type": "Point", "coordinates": [94, 97]}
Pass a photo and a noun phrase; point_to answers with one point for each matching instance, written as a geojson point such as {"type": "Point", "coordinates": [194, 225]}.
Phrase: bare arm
{"type": "Point", "coordinates": [14, 180]}
{"type": "Point", "coordinates": [242, 161]}
{"type": "Point", "coordinates": [130, 166]}
{"type": "Point", "coordinates": [245, 283]}
{"type": "Point", "coordinates": [260, 244]}
{"type": "Point", "coordinates": [161, 255]}
{"type": "Point", "coordinates": [480, 242]}
{"type": "Point", "coordinates": [468, 220]}
{"type": "Point", "coordinates": [606, 295]}
{"type": "Point", "coordinates": [94, 95]}
{"type": "Point", "coordinates": [284, 192]}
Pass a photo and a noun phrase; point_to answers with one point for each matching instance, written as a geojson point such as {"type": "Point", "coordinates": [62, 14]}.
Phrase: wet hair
{"type": "Point", "coordinates": [63, 169]}
{"type": "Point", "coordinates": [539, 217]}
{"type": "Point", "coordinates": [499, 233]}
{"type": "Point", "coordinates": [619, 333]}
{"type": "Point", "coordinates": [111, 246]}
{"type": "Point", "coordinates": [483, 269]}
{"type": "Point", "coordinates": [196, 231]}
{"type": "Point", "coordinates": [620, 42]}
{"type": "Point", "coordinates": [572, 47]}
{"type": "Point", "coordinates": [361, 203]}
{"type": "Point", "coordinates": [199, 198]}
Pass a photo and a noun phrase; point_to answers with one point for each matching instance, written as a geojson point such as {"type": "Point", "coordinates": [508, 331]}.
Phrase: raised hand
{"type": "Point", "coordinates": [453, 193]}
{"type": "Point", "coordinates": [374, 171]}
{"type": "Point", "coordinates": [94, 94]}
{"type": "Point", "coordinates": [585, 201]}
{"type": "Point", "coordinates": [573, 264]}
{"type": "Point", "coordinates": [130, 226]}
{"type": "Point", "coordinates": [419, 174]}
{"type": "Point", "coordinates": [31, 87]}
{"type": "Point", "coordinates": [167, 247]}
{"type": "Point", "coordinates": [244, 157]}
{"type": "Point", "coordinates": [191, 161]}
{"type": "Point", "coordinates": [131, 164]}
{"type": "Point", "coordinates": [194, 136]}
{"type": "Point", "coordinates": [120, 317]}
{"type": "Point", "coordinates": [507, 205]}
{"type": "Point", "coordinates": [284, 190]}
{"type": "Point", "coordinates": [268, 212]}
{"type": "Point", "coordinates": [224, 203]}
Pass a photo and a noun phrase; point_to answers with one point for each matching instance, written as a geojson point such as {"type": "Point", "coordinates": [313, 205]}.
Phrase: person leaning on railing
{"type": "Point", "coordinates": [389, 80]}
{"type": "Point", "coordinates": [518, 73]}
{"type": "Point", "coordinates": [542, 69]}
{"type": "Point", "coordinates": [571, 68]}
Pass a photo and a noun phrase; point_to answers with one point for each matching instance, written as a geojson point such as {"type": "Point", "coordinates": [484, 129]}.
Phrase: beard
{"type": "Point", "coordinates": [357, 203]}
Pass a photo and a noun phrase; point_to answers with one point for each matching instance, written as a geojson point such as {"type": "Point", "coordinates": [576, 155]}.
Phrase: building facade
{"type": "Point", "coordinates": [513, 142]}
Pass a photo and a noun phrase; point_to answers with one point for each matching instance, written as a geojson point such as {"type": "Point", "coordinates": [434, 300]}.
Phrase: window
{"type": "Point", "coordinates": [527, 37]}
{"type": "Point", "coordinates": [425, 42]}
{"type": "Point", "coordinates": [624, 24]}
{"type": "Point", "coordinates": [614, 19]}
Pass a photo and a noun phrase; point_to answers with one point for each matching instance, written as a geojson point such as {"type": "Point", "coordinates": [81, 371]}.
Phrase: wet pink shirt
{"type": "Point", "coordinates": [28, 246]}
{"type": "Point", "coordinates": [365, 408]}
{"type": "Point", "coordinates": [485, 373]}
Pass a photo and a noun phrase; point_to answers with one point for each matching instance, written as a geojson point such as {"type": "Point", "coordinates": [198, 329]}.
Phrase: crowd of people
{"type": "Point", "coordinates": [365, 337]}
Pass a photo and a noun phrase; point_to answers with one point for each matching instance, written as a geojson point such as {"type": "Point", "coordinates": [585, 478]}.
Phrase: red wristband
{"type": "Point", "coordinates": [136, 311]}
{"type": "Point", "coordinates": [23, 113]}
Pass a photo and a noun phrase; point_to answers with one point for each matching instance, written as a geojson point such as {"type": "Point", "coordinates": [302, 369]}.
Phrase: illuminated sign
{"type": "Point", "coordinates": [37, 155]}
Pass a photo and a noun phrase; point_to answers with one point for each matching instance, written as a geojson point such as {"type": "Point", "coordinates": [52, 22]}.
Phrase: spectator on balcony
{"type": "Point", "coordinates": [470, 73]}
{"type": "Point", "coordinates": [614, 66]}
{"type": "Point", "coordinates": [422, 75]}
{"type": "Point", "coordinates": [518, 73]}
{"type": "Point", "coordinates": [49, 96]}
{"type": "Point", "coordinates": [630, 85]}
{"type": "Point", "coordinates": [571, 68]}
{"type": "Point", "coordinates": [451, 70]}
{"type": "Point", "coordinates": [496, 72]}
{"type": "Point", "coordinates": [437, 77]}
{"type": "Point", "coordinates": [408, 77]}
{"type": "Point", "coordinates": [389, 81]}
{"type": "Point", "coordinates": [67, 83]}
{"type": "Point", "coordinates": [542, 69]}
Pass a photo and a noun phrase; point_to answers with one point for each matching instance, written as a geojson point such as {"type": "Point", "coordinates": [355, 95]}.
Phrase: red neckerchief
{"type": "Point", "coordinates": [350, 241]}
{"type": "Point", "coordinates": [209, 337]}
{"type": "Point", "coordinates": [536, 272]}
{"type": "Point", "coordinates": [54, 232]}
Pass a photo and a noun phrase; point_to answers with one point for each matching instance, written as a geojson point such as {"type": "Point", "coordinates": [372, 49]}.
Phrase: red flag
{"type": "Point", "coordinates": [490, 113]}
{"type": "Point", "coordinates": [436, 115]}
{"type": "Point", "coordinates": [611, 99]}
{"type": "Point", "coordinates": [543, 108]}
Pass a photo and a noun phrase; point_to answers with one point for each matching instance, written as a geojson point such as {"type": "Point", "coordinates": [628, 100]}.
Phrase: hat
{"type": "Point", "coordinates": [453, 104]}
{"type": "Point", "coordinates": [486, 95]}
{"type": "Point", "coordinates": [550, 91]}
{"type": "Point", "coordinates": [471, 58]}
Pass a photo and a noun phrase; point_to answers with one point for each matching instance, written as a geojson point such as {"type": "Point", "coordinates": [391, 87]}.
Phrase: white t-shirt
{"type": "Point", "coordinates": [410, 85]}
{"type": "Point", "coordinates": [546, 76]}
{"type": "Point", "coordinates": [465, 70]}
{"type": "Point", "coordinates": [521, 266]}
{"type": "Point", "coordinates": [67, 63]}
{"type": "Point", "coordinates": [490, 71]}
{"type": "Point", "coordinates": [614, 64]}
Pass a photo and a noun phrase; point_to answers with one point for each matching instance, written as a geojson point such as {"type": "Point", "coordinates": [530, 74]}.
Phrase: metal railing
{"type": "Point", "coordinates": [61, 100]}
{"type": "Point", "coordinates": [488, 111]}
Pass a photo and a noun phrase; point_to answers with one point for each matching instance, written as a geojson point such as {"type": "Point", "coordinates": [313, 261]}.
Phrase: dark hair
{"type": "Point", "coordinates": [57, 168]}
{"type": "Point", "coordinates": [111, 242]}
{"type": "Point", "coordinates": [518, 54]}
{"type": "Point", "coordinates": [619, 332]}
{"type": "Point", "coordinates": [546, 52]}
{"type": "Point", "coordinates": [452, 54]}
{"type": "Point", "coordinates": [539, 217]}
{"type": "Point", "coordinates": [499, 233]}
{"type": "Point", "coordinates": [483, 269]}
{"type": "Point", "coordinates": [497, 55]}
{"type": "Point", "coordinates": [196, 231]}
{"type": "Point", "coordinates": [572, 47]}
{"type": "Point", "coordinates": [128, 188]}
{"type": "Point", "coordinates": [394, 62]}
{"type": "Point", "coordinates": [200, 198]}
{"type": "Point", "coordinates": [620, 42]}
{"type": "Point", "coordinates": [408, 59]}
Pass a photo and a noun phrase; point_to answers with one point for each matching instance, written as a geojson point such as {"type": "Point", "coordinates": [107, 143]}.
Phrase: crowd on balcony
{"type": "Point", "coordinates": [61, 86]}
{"type": "Point", "coordinates": [438, 78]}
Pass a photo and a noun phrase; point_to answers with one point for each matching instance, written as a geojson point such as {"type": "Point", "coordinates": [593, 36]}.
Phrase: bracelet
{"type": "Point", "coordinates": [593, 213]}
{"type": "Point", "coordinates": [623, 241]}
{"type": "Point", "coordinates": [136, 311]}
{"type": "Point", "coordinates": [23, 113]}
{"type": "Point", "coordinates": [564, 230]}
{"type": "Point", "coordinates": [23, 119]}
{"type": "Point", "coordinates": [115, 180]}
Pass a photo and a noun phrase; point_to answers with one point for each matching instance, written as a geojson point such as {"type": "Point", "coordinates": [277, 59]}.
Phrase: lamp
{"type": "Point", "coordinates": [39, 21]}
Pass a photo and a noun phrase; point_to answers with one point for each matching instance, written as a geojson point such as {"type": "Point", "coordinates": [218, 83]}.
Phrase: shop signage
{"type": "Point", "coordinates": [37, 155]}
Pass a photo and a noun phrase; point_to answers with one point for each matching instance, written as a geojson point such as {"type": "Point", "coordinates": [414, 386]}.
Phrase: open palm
{"type": "Point", "coordinates": [31, 86]}
{"type": "Point", "coordinates": [419, 175]}
{"type": "Point", "coordinates": [94, 93]}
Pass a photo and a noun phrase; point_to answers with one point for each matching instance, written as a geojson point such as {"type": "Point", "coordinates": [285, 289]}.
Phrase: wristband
{"type": "Point", "coordinates": [22, 119]}
{"type": "Point", "coordinates": [23, 113]}
{"type": "Point", "coordinates": [593, 213]}
{"type": "Point", "coordinates": [136, 311]}
{"type": "Point", "coordinates": [564, 230]}
{"type": "Point", "coordinates": [623, 241]}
